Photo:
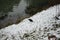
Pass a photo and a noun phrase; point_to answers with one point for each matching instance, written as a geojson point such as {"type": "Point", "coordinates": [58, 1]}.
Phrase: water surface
{"type": "Point", "coordinates": [13, 11]}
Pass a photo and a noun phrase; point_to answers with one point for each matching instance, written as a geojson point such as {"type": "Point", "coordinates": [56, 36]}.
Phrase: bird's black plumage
{"type": "Point", "coordinates": [30, 20]}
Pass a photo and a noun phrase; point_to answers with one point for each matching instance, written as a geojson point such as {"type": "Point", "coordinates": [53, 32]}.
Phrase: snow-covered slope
{"type": "Point", "coordinates": [44, 22]}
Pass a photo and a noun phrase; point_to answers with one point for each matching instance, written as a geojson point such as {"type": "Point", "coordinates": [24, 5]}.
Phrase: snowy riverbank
{"type": "Point", "coordinates": [43, 23]}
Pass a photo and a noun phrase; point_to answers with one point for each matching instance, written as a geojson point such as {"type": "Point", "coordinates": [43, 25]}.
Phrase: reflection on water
{"type": "Point", "coordinates": [7, 6]}
{"type": "Point", "coordinates": [39, 5]}
{"type": "Point", "coordinates": [36, 6]}
{"type": "Point", "coordinates": [13, 11]}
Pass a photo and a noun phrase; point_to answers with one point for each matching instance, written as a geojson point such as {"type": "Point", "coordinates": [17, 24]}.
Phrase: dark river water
{"type": "Point", "coordinates": [13, 11]}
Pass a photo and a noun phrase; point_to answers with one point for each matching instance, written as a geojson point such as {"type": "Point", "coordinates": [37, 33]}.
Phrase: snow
{"type": "Point", "coordinates": [43, 23]}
